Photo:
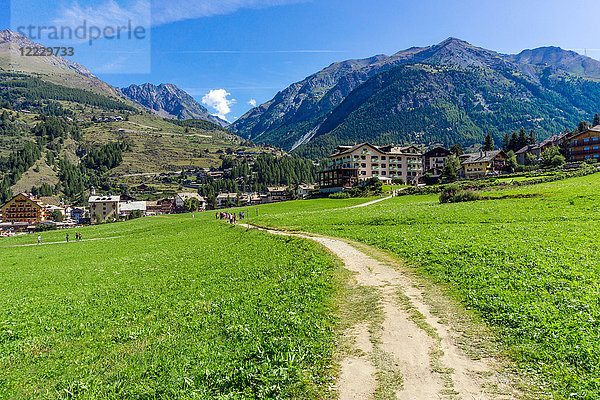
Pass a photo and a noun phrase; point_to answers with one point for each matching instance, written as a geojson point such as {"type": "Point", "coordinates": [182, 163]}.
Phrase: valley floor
{"type": "Point", "coordinates": [492, 299]}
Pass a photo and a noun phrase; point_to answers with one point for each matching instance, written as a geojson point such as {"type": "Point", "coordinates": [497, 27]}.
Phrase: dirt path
{"type": "Point", "coordinates": [413, 341]}
{"type": "Point", "coordinates": [64, 241]}
{"type": "Point", "coordinates": [368, 203]}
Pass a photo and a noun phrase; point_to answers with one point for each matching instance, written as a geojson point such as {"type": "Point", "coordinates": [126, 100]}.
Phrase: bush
{"type": "Point", "coordinates": [57, 216]}
{"type": "Point", "coordinates": [558, 161]}
{"type": "Point", "coordinates": [454, 194]}
{"type": "Point", "coordinates": [430, 180]}
{"type": "Point", "coordinates": [339, 195]}
{"type": "Point", "coordinates": [135, 214]}
{"type": "Point", "coordinates": [45, 227]}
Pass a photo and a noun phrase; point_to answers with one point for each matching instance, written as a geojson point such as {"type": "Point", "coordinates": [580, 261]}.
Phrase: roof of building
{"type": "Point", "coordinates": [191, 195]}
{"type": "Point", "coordinates": [28, 197]}
{"type": "Point", "coordinates": [306, 186]}
{"type": "Point", "coordinates": [595, 129]}
{"type": "Point", "coordinates": [528, 148]}
{"type": "Point", "coordinates": [388, 149]}
{"type": "Point", "coordinates": [104, 199]}
{"type": "Point", "coordinates": [482, 156]}
{"type": "Point", "coordinates": [227, 195]}
{"type": "Point", "coordinates": [441, 149]}
{"type": "Point", "coordinates": [277, 188]}
{"type": "Point", "coordinates": [133, 206]}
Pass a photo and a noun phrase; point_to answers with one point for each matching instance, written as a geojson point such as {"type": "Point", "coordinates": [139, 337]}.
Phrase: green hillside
{"type": "Point", "coordinates": [437, 104]}
{"type": "Point", "coordinates": [448, 93]}
{"type": "Point", "coordinates": [154, 145]}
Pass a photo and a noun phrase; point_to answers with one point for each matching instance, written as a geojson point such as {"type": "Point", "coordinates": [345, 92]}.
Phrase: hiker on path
{"type": "Point", "coordinates": [39, 239]}
{"type": "Point", "coordinates": [67, 238]}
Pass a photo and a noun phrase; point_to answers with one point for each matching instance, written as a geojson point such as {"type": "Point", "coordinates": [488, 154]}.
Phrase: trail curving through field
{"type": "Point", "coordinates": [60, 242]}
{"type": "Point", "coordinates": [423, 350]}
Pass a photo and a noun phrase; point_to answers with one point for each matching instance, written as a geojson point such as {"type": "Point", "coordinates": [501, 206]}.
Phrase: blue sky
{"type": "Point", "coordinates": [251, 49]}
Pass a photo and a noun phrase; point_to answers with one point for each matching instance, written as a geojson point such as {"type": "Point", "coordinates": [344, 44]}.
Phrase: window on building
{"type": "Point", "coordinates": [382, 165]}
{"type": "Point", "coordinates": [383, 173]}
{"type": "Point", "coordinates": [382, 158]}
{"type": "Point", "coordinates": [586, 148]}
{"type": "Point", "coordinates": [586, 140]}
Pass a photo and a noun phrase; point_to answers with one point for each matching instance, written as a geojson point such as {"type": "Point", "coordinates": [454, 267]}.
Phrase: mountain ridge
{"type": "Point", "coordinates": [169, 101]}
{"type": "Point", "coordinates": [55, 69]}
{"type": "Point", "coordinates": [295, 116]}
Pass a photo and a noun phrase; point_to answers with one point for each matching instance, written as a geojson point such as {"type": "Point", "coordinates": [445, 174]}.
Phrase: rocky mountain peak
{"type": "Point", "coordinates": [170, 101]}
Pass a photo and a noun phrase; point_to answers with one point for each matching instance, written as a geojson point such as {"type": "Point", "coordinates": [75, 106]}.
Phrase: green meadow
{"type": "Point", "coordinates": [526, 262]}
{"type": "Point", "coordinates": [166, 307]}
{"type": "Point", "coordinates": [178, 307]}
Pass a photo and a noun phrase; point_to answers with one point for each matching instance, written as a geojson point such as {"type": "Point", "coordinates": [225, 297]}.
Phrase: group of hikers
{"type": "Point", "coordinates": [78, 237]}
{"type": "Point", "coordinates": [232, 218]}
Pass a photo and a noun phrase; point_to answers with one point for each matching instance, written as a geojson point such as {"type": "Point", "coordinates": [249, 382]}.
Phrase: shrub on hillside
{"type": "Point", "coordinates": [339, 195]}
{"type": "Point", "coordinates": [454, 194]}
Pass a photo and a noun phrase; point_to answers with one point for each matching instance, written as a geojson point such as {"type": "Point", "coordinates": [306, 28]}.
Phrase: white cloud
{"type": "Point", "coordinates": [217, 99]}
{"type": "Point", "coordinates": [164, 12]}
{"type": "Point", "coordinates": [252, 102]}
{"type": "Point", "coordinates": [109, 13]}
{"type": "Point", "coordinates": [113, 13]}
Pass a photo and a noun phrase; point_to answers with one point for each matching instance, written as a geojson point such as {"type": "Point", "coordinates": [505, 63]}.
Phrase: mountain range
{"type": "Point", "coordinates": [449, 93]}
{"type": "Point", "coordinates": [169, 101]}
{"type": "Point", "coordinates": [452, 92]}
{"type": "Point", "coordinates": [165, 100]}
{"type": "Point", "coordinates": [54, 69]}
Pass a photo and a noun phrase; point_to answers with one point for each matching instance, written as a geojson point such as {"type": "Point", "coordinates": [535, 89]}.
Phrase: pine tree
{"type": "Point", "coordinates": [506, 143]}
{"type": "Point", "coordinates": [532, 138]}
{"type": "Point", "coordinates": [523, 141]}
{"type": "Point", "coordinates": [596, 119]}
{"type": "Point", "coordinates": [488, 145]}
{"type": "Point", "coordinates": [456, 150]}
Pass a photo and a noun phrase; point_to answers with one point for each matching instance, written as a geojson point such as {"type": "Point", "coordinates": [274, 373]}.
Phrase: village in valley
{"type": "Point", "coordinates": [299, 199]}
{"type": "Point", "coordinates": [396, 167]}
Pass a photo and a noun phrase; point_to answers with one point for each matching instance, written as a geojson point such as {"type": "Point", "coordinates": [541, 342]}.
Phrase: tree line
{"type": "Point", "coordinates": [19, 89]}
{"type": "Point", "coordinates": [15, 165]}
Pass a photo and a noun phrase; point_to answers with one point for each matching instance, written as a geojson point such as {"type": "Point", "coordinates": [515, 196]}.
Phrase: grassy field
{"type": "Point", "coordinates": [166, 307]}
{"type": "Point", "coordinates": [528, 266]}
{"type": "Point", "coordinates": [388, 188]}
